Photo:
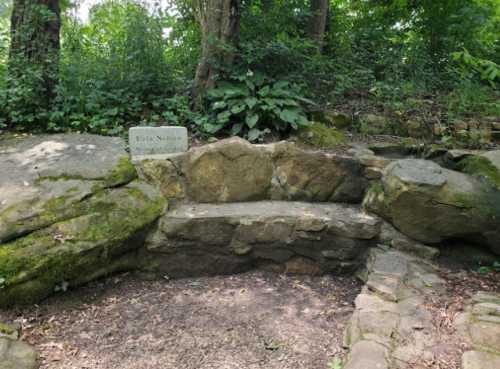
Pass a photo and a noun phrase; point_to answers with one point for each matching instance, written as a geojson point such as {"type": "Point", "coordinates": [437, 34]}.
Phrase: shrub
{"type": "Point", "coordinates": [251, 105]}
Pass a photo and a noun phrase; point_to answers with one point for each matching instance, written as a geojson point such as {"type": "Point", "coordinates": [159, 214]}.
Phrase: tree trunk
{"type": "Point", "coordinates": [317, 21]}
{"type": "Point", "coordinates": [220, 25]}
{"type": "Point", "coordinates": [34, 51]}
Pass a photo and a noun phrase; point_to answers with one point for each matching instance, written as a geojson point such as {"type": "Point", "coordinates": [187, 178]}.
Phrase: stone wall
{"type": "Point", "coordinates": [74, 208]}
{"type": "Point", "coordinates": [234, 170]}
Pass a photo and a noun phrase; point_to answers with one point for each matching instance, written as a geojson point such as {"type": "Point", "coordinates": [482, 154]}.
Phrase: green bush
{"type": "Point", "coordinates": [251, 105]}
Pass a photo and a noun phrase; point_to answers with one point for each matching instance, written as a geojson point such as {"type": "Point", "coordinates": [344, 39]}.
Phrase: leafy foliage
{"type": "Point", "coordinates": [133, 63]}
{"type": "Point", "coordinates": [252, 105]}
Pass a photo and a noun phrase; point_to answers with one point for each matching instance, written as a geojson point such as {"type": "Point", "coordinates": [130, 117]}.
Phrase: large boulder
{"type": "Point", "coordinates": [431, 204]}
{"type": "Point", "coordinates": [227, 171]}
{"type": "Point", "coordinates": [71, 210]}
{"type": "Point", "coordinates": [316, 176]}
{"type": "Point", "coordinates": [233, 170]}
{"type": "Point", "coordinates": [485, 166]}
{"type": "Point", "coordinates": [48, 175]}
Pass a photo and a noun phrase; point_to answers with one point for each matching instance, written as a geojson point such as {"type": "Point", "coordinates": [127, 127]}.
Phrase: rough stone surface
{"type": "Point", "coordinates": [390, 314]}
{"type": "Point", "coordinates": [238, 235]}
{"type": "Point", "coordinates": [494, 157]}
{"type": "Point", "coordinates": [81, 217]}
{"type": "Point", "coordinates": [17, 355]}
{"type": "Point", "coordinates": [233, 170]}
{"type": "Point", "coordinates": [44, 169]}
{"type": "Point", "coordinates": [11, 331]}
{"type": "Point", "coordinates": [316, 176]}
{"type": "Point", "coordinates": [480, 326]}
{"type": "Point", "coordinates": [480, 360]}
{"type": "Point", "coordinates": [390, 236]}
{"type": "Point", "coordinates": [228, 171]}
{"type": "Point", "coordinates": [367, 354]}
{"type": "Point", "coordinates": [165, 175]}
{"type": "Point", "coordinates": [431, 204]}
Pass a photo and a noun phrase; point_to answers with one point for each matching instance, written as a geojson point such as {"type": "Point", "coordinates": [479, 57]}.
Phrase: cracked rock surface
{"type": "Point", "coordinates": [390, 327]}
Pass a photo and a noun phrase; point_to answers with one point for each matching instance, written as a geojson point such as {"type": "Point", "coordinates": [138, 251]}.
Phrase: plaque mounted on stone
{"type": "Point", "coordinates": [157, 142]}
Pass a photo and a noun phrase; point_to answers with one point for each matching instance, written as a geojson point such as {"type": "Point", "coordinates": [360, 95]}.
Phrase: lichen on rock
{"type": "Point", "coordinates": [321, 136]}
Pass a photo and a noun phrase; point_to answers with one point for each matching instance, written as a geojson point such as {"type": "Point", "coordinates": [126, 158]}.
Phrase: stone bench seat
{"type": "Point", "coordinates": [201, 239]}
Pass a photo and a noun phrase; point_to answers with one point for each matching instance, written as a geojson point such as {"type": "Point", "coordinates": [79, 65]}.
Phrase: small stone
{"type": "Point", "coordinates": [17, 355]}
{"type": "Point", "coordinates": [485, 335]}
{"type": "Point", "coordinates": [374, 161]}
{"type": "Point", "coordinates": [373, 173]}
{"type": "Point", "coordinates": [391, 263]}
{"type": "Point", "coordinates": [240, 248]}
{"type": "Point", "coordinates": [367, 355]}
{"type": "Point", "coordinates": [415, 248]}
{"type": "Point", "coordinates": [480, 360]}
{"type": "Point", "coordinates": [368, 302]}
{"type": "Point", "coordinates": [11, 331]}
{"type": "Point", "coordinates": [483, 296]}
{"type": "Point", "coordinates": [486, 308]}
{"type": "Point", "coordinates": [460, 126]}
{"type": "Point", "coordinates": [385, 286]}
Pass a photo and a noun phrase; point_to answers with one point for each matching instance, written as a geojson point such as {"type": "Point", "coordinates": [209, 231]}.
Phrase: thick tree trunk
{"type": "Point", "coordinates": [317, 21]}
{"type": "Point", "coordinates": [220, 25]}
{"type": "Point", "coordinates": [34, 50]}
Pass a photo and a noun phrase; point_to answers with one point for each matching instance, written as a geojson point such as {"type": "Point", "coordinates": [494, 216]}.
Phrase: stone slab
{"type": "Point", "coordinates": [27, 159]}
{"type": "Point", "coordinates": [157, 142]}
{"type": "Point", "coordinates": [480, 360]}
{"type": "Point", "coordinates": [17, 355]}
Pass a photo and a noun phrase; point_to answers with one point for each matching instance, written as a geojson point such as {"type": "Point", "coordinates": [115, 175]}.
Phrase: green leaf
{"type": "Point", "coordinates": [212, 128]}
{"type": "Point", "coordinates": [264, 91]}
{"type": "Point", "coordinates": [251, 102]}
{"type": "Point", "coordinates": [236, 129]}
{"type": "Point", "coordinates": [219, 105]}
{"type": "Point", "coordinates": [289, 115]}
{"type": "Point", "coordinates": [223, 117]}
{"type": "Point", "coordinates": [215, 93]}
{"type": "Point", "coordinates": [238, 108]}
{"type": "Point", "coordinates": [251, 120]}
{"type": "Point", "coordinates": [281, 85]}
{"type": "Point", "coordinates": [254, 134]}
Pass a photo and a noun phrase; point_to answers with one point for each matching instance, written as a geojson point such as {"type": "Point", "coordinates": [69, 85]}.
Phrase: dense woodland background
{"type": "Point", "coordinates": [247, 67]}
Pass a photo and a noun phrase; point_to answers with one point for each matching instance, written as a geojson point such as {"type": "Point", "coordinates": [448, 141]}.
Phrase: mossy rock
{"type": "Point", "coordinates": [76, 250]}
{"type": "Point", "coordinates": [372, 124]}
{"type": "Point", "coordinates": [320, 136]}
{"type": "Point", "coordinates": [432, 204]}
{"type": "Point", "coordinates": [480, 167]}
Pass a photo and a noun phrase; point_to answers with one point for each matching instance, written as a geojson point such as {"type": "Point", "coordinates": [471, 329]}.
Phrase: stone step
{"type": "Point", "coordinates": [201, 239]}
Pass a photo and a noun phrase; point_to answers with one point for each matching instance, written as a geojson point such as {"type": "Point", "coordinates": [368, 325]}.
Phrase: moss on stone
{"type": "Point", "coordinates": [6, 329]}
{"type": "Point", "coordinates": [123, 173]}
{"type": "Point", "coordinates": [320, 136]}
{"type": "Point", "coordinates": [34, 265]}
{"type": "Point", "coordinates": [377, 201]}
{"type": "Point", "coordinates": [480, 167]}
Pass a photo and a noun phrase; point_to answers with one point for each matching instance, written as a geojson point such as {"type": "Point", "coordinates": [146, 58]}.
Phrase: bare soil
{"type": "Point", "coordinates": [461, 283]}
{"type": "Point", "coordinates": [256, 320]}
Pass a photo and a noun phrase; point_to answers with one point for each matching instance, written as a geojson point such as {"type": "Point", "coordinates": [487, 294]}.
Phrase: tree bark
{"type": "Point", "coordinates": [34, 50]}
{"type": "Point", "coordinates": [220, 24]}
{"type": "Point", "coordinates": [317, 21]}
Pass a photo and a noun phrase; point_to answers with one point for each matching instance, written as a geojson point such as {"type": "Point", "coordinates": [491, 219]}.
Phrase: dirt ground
{"type": "Point", "coordinates": [461, 283]}
{"type": "Point", "coordinates": [256, 320]}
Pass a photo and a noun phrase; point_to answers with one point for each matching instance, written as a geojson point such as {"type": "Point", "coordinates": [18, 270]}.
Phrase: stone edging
{"type": "Point", "coordinates": [390, 327]}
{"type": "Point", "coordinates": [480, 327]}
{"type": "Point", "coordinates": [14, 353]}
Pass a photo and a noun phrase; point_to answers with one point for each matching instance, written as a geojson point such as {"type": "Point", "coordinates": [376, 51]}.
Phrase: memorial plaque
{"type": "Point", "coordinates": [157, 142]}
